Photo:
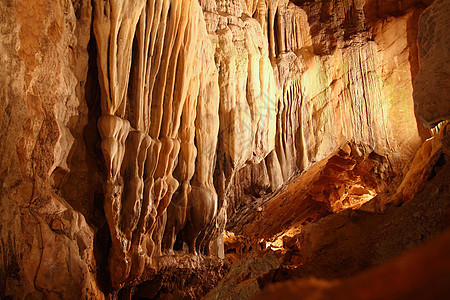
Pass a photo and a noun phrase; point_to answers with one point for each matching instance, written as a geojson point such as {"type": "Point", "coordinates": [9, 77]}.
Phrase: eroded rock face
{"type": "Point", "coordinates": [431, 104]}
{"type": "Point", "coordinates": [341, 75]}
{"type": "Point", "coordinates": [288, 85]}
{"type": "Point", "coordinates": [47, 247]}
{"type": "Point", "coordinates": [133, 129]}
{"type": "Point", "coordinates": [159, 91]}
{"type": "Point", "coordinates": [343, 245]}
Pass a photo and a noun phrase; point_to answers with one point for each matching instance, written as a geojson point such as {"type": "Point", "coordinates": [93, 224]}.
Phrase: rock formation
{"type": "Point", "coordinates": [159, 87]}
{"type": "Point", "coordinates": [133, 133]}
{"type": "Point", "coordinates": [391, 280]}
{"type": "Point", "coordinates": [431, 105]}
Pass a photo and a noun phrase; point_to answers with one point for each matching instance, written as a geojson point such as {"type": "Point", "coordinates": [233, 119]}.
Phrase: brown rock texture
{"type": "Point", "coordinates": [47, 248]}
{"type": "Point", "coordinates": [342, 245]}
{"type": "Point", "coordinates": [132, 133]}
{"type": "Point", "coordinates": [343, 73]}
{"type": "Point", "coordinates": [420, 273]}
{"type": "Point", "coordinates": [432, 104]}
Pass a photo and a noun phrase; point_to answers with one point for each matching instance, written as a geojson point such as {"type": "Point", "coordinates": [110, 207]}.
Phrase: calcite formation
{"type": "Point", "coordinates": [159, 92]}
{"type": "Point", "coordinates": [131, 132]}
{"type": "Point", "coordinates": [344, 244]}
{"type": "Point", "coordinates": [272, 81]}
{"type": "Point", "coordinates": [341, 76]}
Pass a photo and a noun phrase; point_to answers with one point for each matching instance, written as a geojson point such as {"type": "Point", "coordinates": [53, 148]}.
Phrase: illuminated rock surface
{"type": "Point", "coordinates": [134, 133]}
{"type": "Point", "coordinates": [345, 244]}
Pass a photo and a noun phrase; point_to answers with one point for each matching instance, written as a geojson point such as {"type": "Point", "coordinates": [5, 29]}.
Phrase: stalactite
{"type": "Point", "coordinates": [180, 104]}
{"type": "Point", "coordinates": [143, 159]}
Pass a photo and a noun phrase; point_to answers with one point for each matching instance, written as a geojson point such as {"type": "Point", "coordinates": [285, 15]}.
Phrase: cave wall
{"type": "Point", "coordinates": [46, 245]}
{"type": "Point", "coordinates": [126, 126]}
{"type": "Point", "coordinates": [343, 72]}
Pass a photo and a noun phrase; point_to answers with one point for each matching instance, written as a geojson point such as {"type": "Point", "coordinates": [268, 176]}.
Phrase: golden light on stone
{"type": "Point", "coordinates": [150, 148]}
